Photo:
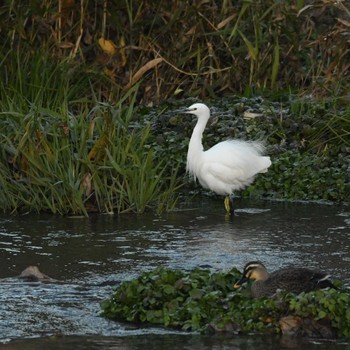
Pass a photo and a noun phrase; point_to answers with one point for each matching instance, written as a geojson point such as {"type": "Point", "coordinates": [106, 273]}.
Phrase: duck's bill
{"type": "Point", "coordinates": [239, 283]}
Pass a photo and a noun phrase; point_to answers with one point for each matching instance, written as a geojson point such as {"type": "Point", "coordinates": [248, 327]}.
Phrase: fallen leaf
{"type": "Point", "coordinates": [107, 46]}
{"type": "Point", "coordinates": [343, 21]}
{"type": "Point", "coordinates": [251, 115]}
{"type": "Point", "coordinates": [225, 21]}
{"type": "Point", "coordinates": [138, 75]}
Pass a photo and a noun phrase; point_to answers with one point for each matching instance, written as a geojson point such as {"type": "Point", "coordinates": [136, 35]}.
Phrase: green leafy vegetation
{"type": "Point", "coordinates": [203, 301]}
{"type": "Point", "coordinates": [71, 155]}
{"type": "Point", "coordinates": [309, 162]}
{"type": "Point", "coordinates": [297, 176]}
{"type": "Point", "coordinates": [171, 297]}
{"type": "Point", "coordinates": [76, 137]}
{"type": "Point", "coordinates": [324, 304]}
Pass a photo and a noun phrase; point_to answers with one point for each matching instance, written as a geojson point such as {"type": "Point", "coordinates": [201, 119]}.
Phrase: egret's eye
{"type": "Point", "coordinates": [194, 109]}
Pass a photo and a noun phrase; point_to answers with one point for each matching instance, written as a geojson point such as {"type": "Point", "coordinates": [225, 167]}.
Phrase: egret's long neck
{"type": "Point", "coordinates": [195, 147]}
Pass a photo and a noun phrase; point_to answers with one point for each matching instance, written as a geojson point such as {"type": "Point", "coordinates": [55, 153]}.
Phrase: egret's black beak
{"type": "Point", "coordinates": [181, 110]}
{"type": "Point", "coordinates": [242, 280]}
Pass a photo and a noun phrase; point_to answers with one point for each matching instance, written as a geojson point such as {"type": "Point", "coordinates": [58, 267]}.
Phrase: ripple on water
{"type": "Point", "coordinates": [90, 257]}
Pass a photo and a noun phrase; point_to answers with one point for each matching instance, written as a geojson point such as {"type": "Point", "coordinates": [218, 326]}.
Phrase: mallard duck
{"type": "Point", "coordinates": [290, 279]}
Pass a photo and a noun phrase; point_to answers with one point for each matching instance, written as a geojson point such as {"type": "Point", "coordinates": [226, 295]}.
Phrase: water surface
{"type": "Point", "coordinates": [91, 255]}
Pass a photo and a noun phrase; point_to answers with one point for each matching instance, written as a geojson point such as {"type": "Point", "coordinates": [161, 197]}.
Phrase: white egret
{"type": "Point", "coordinates": [226, 167]}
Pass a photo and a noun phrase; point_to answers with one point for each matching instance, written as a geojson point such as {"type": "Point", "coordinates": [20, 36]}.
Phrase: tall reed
{"type": "Point", "coordinates": [198, 47]}
{"type": "Point", "coordinates": [64, 153]}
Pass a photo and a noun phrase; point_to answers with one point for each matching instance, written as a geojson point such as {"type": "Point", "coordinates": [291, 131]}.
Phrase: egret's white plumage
{"type": "Point", "coordinates": [229, 165]}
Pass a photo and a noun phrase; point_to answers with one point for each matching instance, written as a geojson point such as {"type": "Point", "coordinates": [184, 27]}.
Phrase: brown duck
{"type": "Point", "coordinates": [290, 279]}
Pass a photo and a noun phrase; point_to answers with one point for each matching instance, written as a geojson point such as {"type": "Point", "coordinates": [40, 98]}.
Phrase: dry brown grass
{"type": "Point", "coordinates": [202, 48]}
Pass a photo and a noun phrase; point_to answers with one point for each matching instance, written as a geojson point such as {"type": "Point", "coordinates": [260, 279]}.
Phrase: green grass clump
{"type": "Point", "coordinates": [200, 300]}
{"type": "Point", "coordinates": [67, 154]}
{"type": "Point", "coordinates": [76, 163]}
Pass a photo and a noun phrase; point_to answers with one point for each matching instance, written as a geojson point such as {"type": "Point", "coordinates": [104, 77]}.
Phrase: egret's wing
{"type": "Point", "coordinates": [227, 174]}
{"type": "Point", "coordinates": [234, 162]}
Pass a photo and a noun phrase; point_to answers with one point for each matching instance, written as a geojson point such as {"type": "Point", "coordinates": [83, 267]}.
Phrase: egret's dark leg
{"type": "Point", "coordinates": [232, 209]}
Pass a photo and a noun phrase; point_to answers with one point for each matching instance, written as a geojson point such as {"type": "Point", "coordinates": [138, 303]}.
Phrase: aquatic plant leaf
{"type": "Point", "coordinates": [208, 305]}
{"type": "Point", "coordinates": [196, 293]}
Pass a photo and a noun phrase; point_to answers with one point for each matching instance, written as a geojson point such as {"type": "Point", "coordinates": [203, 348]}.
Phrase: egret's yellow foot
{"type": "Point", "coordinates": [227, 204]}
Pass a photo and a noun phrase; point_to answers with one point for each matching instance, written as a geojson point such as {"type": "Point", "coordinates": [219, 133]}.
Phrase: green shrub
{"type": "Point", "coordinates": [324, 304]}
{"type": "Point", "coordinates": [200, 300]}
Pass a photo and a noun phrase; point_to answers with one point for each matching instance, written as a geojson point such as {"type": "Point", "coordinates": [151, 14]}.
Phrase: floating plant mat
{"type": "Point", "coordinates": [204, 301]}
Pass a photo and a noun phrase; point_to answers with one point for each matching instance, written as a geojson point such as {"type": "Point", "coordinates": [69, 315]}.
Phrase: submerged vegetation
{"type": "Point", "coordinates": [203, 301]}
{"type": "Point", "coordinates": [74, 137]}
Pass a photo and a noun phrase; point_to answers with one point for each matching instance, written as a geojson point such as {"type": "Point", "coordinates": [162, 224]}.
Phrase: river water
{"type": "Point", "coordinates": [89, 256]}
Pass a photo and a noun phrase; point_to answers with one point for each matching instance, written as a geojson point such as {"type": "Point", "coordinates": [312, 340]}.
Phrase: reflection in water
{"type": "Point", "coordinates": [90, 256]}
{"type": "Point", "coordinates": [175, 342]}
